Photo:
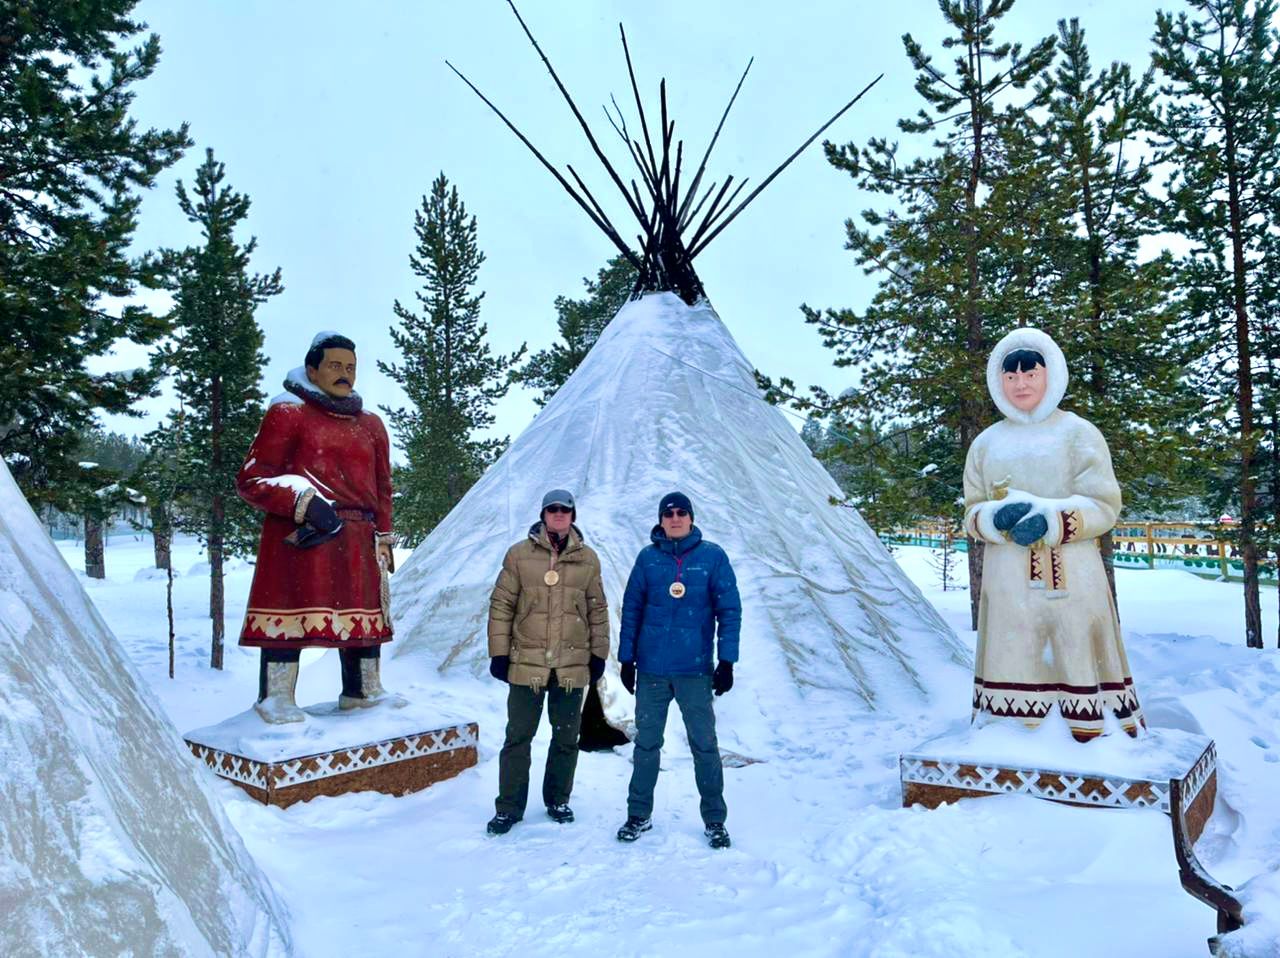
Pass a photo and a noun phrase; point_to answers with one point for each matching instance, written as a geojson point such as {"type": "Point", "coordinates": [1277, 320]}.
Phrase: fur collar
{"type": "Point", "coordinates": [302, 387]}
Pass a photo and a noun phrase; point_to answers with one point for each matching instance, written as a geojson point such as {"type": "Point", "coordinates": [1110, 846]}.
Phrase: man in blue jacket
{"type": "Point", "coordinates": [680, 588]}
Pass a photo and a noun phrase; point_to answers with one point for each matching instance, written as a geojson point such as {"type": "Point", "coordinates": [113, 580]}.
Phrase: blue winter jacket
{"type": "Point", "coordinates": [668, 636]}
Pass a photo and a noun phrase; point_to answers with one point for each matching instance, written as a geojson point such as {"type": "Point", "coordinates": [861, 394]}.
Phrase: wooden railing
{"type": "Point", "coordinates": [1194, 546]}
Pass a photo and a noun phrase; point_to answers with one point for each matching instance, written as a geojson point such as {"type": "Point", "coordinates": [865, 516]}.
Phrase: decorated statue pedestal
{"type": "Point", "coordinates": [391, 750]}
{"type": "Point", "coordinates": [1114, 771]}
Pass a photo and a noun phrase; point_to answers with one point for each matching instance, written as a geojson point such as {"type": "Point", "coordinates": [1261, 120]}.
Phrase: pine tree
{"type": "Point", "coordinates": [960, 250]}
{"type": "Point", "coordinates": [71, 164]}
{"type": "Point", "coordinates": [581, 321]}
{"type": "Point", "coordinates": [876, 466]}
{"type": "Point", "coordinates": [447, 370]}
{"type": "Point", "coordinates": [217, 361]}
{"type": "Point", "coordinates": [108, 463]}
{"type": "Point", "coordinates": [1218, 133]}
{"type": "Point", "coordinates": [1118, 316]}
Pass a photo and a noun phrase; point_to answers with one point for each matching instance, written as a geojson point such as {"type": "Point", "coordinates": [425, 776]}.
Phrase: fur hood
{"type": "Point", "coordinates": [1055, 369]}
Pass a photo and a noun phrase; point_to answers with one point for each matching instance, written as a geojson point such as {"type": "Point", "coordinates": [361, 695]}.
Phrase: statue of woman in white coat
{"type": "Point", "coordinates": [1039, 490]}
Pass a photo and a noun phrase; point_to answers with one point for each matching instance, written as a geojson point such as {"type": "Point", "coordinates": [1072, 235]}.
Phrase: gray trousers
{"type": "Point", "coordinates": [692, 694]}
{"type": "Point", "coordinates": [524, 711]}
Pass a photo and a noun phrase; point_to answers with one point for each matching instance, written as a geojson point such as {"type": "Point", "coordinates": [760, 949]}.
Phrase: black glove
{"type": "Point", "coordinates": [1007, 516]}
{"type": "Point", "coordinates": [596, 666]}
{"type": "Point", "coordinates": [629, 677]}
{"type": "Point", "coordinates": [498, 666]}
{"type": "Point", "coordinates": [1030, 529]}
{"type": "Point", "coordinates": [722, 680]}
{"type": "Point", "coordinates": [321, 515]}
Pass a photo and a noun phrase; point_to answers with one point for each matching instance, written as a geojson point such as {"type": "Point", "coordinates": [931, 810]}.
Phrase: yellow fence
{"type": "Point", "coordinates": [1195, 546]}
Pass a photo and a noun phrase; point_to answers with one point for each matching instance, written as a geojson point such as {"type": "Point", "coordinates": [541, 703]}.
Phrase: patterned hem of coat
{"type": "Point", "coordinates": [1084, 708]}
{"type": "Point", "coordinates": [285, 628]}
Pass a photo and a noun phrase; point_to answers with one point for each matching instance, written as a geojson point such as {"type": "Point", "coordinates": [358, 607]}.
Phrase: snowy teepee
{"type": "Point", "coordinates": [666, 400]}
{"type": "Point", "coordinates": [109, 842]}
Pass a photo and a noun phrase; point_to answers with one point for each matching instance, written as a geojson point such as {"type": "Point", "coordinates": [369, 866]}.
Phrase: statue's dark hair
{"type": "Point", "coordinates": [1022, 360]}
{"type": "Point", "coordinates": [315, 355]}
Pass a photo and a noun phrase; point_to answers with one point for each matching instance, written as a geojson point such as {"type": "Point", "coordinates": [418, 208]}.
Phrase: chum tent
{"type": "Point", "coordinates": [110, 842]}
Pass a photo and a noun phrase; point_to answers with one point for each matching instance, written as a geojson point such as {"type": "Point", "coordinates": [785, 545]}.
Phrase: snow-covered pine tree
{"type": "Point", "coordinates": [72, 162]}
{"type": "Point", "coordinates": [956, 250]}
{"type": "Point", "coordinates": [1118, 312]}
{"type": "Point", "coordinates": [581, 321]}
{"type": "Point", "coordinates": [447, 370]}
{"type": "Point", "coordinates": [217, 360]}
{"type": "Point", "coordinates": [1217, 133]}
{"type": "Point", "coordinates": [108, 462]}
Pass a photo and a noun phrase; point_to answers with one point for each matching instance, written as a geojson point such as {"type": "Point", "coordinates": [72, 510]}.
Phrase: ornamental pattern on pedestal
{"type": "Point", "coordinates": [1108, 791]}
{"type": "Point", "coordinates": [308, 768]}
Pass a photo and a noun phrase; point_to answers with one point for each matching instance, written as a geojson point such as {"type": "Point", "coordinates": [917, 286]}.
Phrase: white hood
{"type": "Point", "coordinates": [1056, 370]}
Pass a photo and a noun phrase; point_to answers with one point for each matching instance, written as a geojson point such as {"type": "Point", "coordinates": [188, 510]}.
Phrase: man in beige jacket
{"type": "Point", "coordinates": [548, 639]}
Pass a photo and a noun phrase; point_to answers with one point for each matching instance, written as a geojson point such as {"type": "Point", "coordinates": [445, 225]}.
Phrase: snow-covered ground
{"type": "Point", "coordinates": [824, 861]}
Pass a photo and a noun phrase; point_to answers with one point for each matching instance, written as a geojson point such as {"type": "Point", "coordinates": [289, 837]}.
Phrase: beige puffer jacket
{"type": "Point", "coordinates": [544, 627]}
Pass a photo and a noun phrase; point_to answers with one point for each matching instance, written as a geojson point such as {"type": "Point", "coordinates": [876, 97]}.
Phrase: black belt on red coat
{"type": "Point", "coordinates": [354, 514]}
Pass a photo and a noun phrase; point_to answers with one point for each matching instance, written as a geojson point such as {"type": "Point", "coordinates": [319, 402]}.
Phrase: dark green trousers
{"type": "Point", "coordinates": [524, 711]}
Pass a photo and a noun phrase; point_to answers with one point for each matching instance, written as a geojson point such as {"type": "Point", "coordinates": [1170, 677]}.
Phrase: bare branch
{"type": "Point", "coordinates": [604, 226]}
{"type": "Point", "coordinates": [785, 163]}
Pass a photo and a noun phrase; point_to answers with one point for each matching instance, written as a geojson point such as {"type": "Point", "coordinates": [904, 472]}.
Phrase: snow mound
{"type": "Point", "coordinates": [1260, 937]}
{"type": "Point", "coordinates": [109, 842]}
{"type": "Point", "coordinates": [666, 400]}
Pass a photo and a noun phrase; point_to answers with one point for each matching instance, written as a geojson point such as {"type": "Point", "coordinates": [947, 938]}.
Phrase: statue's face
{"type": "Point", "coordinates": [337, 373]}
{"type": "Point", "coordinates": [1025, 389]}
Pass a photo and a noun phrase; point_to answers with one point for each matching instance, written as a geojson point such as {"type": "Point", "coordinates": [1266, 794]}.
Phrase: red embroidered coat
{"type": "Point", "coordinates": [328, 595]}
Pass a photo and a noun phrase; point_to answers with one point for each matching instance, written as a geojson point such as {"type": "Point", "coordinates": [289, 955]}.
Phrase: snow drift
{"type": "Point", "coordinates": [666, 400]}
{"type": "Point", "coordinates": [109, 842]}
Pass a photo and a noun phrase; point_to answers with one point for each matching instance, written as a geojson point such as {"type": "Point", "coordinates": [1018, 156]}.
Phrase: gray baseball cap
{"type": "Point", "coordinates": [559, 497]}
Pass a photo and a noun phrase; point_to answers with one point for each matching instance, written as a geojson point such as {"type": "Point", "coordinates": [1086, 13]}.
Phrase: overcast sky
{"type": "Point", "coordinates": [335, 117]}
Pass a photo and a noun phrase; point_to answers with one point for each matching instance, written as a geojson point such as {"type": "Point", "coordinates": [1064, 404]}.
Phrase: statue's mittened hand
{"type": "Point", "coordinates": [1029, 530]}
{"type": "Point", "coordinates": [1007, 517]}
{"type": "Point", "coordinates": [321, 515]}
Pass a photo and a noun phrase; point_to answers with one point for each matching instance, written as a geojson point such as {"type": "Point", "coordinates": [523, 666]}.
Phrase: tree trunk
{"type": "Point", "coordinates": [971, 412]}
{"type": "Point", "coordinates": [216, 597]}
{"type": "Point", "coordinates": [161, 536]}
{"type": "Point", "coordinates": [1244, 394]}
{"type": "Point", "coordinates": [1098, 373]}
{"type": "Point", "coordinates": [217, 517]}
{"type": "Point", "coordinates": [1275, 481]}
{"type": "Point", "coordinates": [168, 601]}
{"type": "Point", "coordinates": [95, 562]}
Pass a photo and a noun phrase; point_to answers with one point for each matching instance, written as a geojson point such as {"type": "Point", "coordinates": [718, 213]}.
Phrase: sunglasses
{"type": "Point", "coordinates": [559, 509]}
{"type": "Point", "coordinates": [674, 513]}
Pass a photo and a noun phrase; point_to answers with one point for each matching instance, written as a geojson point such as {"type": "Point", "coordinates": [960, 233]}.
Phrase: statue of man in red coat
{"type": "Point", "coordinates": [320, 468]}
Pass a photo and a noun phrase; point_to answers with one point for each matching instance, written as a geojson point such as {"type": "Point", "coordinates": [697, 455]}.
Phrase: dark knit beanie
{"type": "Point", "coordinates": [675, 500]}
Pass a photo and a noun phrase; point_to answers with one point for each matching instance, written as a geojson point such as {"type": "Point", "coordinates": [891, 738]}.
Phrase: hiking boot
{"type": "Point", "coordinates": [500, 824]}
{"type": "Point", "coordinates": [562, 814]}
{"type": "Point", "coordinates": [717, 836]}
{"type": "Point", "coordinates": [633, 827]}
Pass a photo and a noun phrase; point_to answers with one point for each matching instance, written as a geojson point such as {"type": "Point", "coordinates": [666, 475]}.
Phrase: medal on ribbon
{"type": "Point", "coordinates": [551, 577]}
{"type": "Point", "coordinates": [677, 590]}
